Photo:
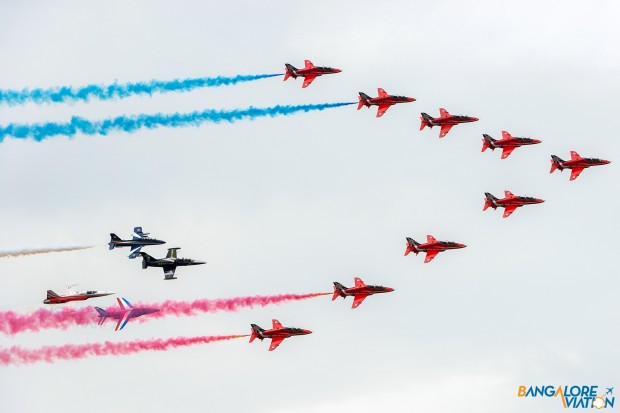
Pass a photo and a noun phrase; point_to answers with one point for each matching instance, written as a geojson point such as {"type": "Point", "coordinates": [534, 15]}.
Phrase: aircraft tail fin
{"type": "Point", "coordinates": [489, 201]}
{"type": "Point", "coordinates": [426, 120]}
{"type": "Point", "coordinates": [103, 315]}
{"type": "Point", "coordinates": [487, 142]}
{"type": "Point", "coordinates": [556, 163]}
{"type": "Point", "coordinates": [338, 290]}
{"type": "Point", "coordinates": [363, 99]}
{"type": "Point", "coordinates": [51, 294]}
{"type": "Point", "coordinates": [113, 237]}
{"type": "Point", "coordinates": [146, 258]}
{"type": "Point", "coordinates": [256, 332]}
{"type": "Point", "coordinates": [290, 71]}
{"type": "Point", "coordinates": [412, 245]}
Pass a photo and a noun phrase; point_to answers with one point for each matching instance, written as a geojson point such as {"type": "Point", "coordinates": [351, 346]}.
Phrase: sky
{"type": "Point", "coordinates": [291, 204]}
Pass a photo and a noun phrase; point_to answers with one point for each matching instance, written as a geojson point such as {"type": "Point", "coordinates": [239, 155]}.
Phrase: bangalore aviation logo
{"type": "Point", "coordinates": [573, 397]}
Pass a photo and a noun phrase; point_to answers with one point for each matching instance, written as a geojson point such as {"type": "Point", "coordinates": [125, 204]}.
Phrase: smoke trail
{"type": "Point", "coordinates": [33, 251]}
{"type": "Point", "coordinates": [14, 323]}
{"type": "Point", "coordinates": [41, 131]}
{"type": "Point", "coordinates": [189, 308]}
{"type": "Point", "coordinates": [49, 354]}
{"type": "Point", "coordinates": [115, 90]}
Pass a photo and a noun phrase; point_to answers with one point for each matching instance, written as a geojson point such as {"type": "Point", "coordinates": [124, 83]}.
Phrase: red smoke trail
{"type": "Point", "coordinates": [189, 308]}
{"type": "Point", "coordinates": [14, 323]}
{"type": "Point", "coordinates": [49, 354]}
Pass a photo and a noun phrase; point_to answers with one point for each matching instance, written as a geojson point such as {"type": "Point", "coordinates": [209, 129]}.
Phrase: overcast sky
{"type": "Point", "coordinates": [291, 204]}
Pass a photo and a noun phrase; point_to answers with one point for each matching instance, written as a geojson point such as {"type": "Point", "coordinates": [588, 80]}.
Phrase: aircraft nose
{"type": "Point", "coordinates": [474, 119]}
{"type": "Point", "coordinates": [307, 332]}
{"type": "Point", "coordinates": [389, 289]}
{"type": "Point", "coordinates": [605, 162]}
{"type": "Point", "coordinates": [337, 70]}
{"type": "Point", "coordinates": [462, 245]}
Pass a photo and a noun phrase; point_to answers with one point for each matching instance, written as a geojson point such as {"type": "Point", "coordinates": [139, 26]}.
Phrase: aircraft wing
{"type": "Point", "coordinates": [275, 342]}
{"type": "Point", "coordinates": [444, 130]}
{"type": "Point", "coordinates": [357, 300]}
{"type": "Point", "coordinates": [124, 319]}
{"type": "Point", "coordinates": [135, 251]}
{"type": "Point", "coordinates": [430, 255]}
{"type": "Point", "coordinates": [507, 151]}
{"type": "Point", "coordinates": [509, 210]}
{"type": "Point", "coordinates": [307, 81]}
{"type": "Point", "coordinates": [169, 271]}
{"type": "Point", "coordinates": [382, 93]}
{"type": "Point", "coordinates": [382, 109]}
{"type": "Point", "coordinates": [443, 113]}
{"type": "Point", "coordinates": [506, 135]}
{"type": "Point", "coordinates": [574, 173]}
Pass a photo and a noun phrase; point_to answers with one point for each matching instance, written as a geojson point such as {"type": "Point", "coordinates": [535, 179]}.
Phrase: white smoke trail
{"type": "Point", "coordinates": [33, 251]}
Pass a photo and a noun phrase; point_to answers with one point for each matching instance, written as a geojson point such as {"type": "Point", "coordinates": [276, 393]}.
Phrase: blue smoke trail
{"type": "Point", "coordinates": [103, 92]}
{"type": "Point", "coordinates": [41, 131]}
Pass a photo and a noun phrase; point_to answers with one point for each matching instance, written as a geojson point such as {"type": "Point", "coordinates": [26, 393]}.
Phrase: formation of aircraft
{"type": "Point", "coordinates": [169, 263]}
{"type": "Point", "coordinates": [508, 143]}
{"type": "Point", "coordinates": [576, 164]}
{"type": "Point", "coordinates": [383, 101]}
{"type": "Point", "coordinates": [53, 298]}
{"type": "Point", "coordinates": [432, 247]}
{"type": "Point", "coordinates": [124, 314]}
{"type": "Point", "coordinates": [445, 120]}
{"type": "Point", "coordinates": [510, 202]}
{"type": "Point", "coordinates": [309, 72]}
{"type": "Point", "coordinates": [277, 334]}
{"type": "Point", "coordinates": [138, 240]}
{"type": "Point", "coordinates": [359, 292]}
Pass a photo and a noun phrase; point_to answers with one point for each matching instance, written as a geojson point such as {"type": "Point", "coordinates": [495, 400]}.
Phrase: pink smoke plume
{"type": "Point", "coordinates": [49, 354]}
{"type": "Point", "coordinates": [14, 323]}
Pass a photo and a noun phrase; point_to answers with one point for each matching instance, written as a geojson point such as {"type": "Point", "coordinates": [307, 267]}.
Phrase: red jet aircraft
{"type": "Point", "coordinates": [309, 72]}
{"type": "Point", "coordinates": [359, 292]}
{"type": "Point", "coordinates": [432, 247]}
{"type": "Point", "coordinates": [277, 334]}
{"type": "Point", "coordinates": [445, 120]}
{"type": "Point", "coordinates": [510, 203]}
{"type": "Point", "coordinates": [576, 164]}
{"type": "Point", "coordinates": [384, 101]}
{"type": "Point", "coordinates": [508, 143]}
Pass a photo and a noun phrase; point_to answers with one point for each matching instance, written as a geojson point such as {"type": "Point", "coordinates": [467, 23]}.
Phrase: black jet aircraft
{"type": "Point", "coordinates": [140, 239]}
{"type": "Point", "coordinates": [169, 264]}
